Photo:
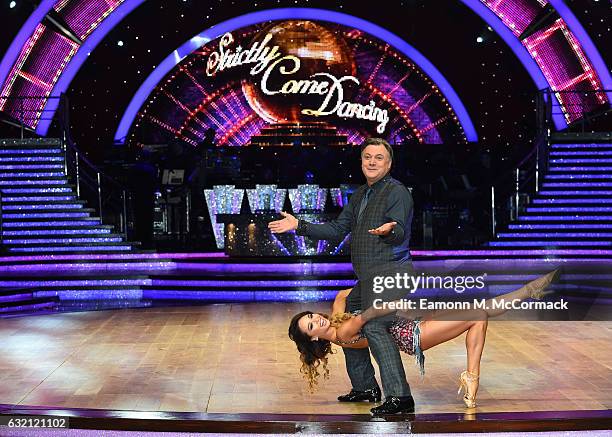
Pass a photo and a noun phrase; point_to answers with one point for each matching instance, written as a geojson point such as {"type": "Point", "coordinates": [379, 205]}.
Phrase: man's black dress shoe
{"type": "Point", "coordinates": [370, 395]}
{"type": "Point", "coordinates": [394, 405]}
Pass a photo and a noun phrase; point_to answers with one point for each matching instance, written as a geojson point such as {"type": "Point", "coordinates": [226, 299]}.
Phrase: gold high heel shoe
{"type": "Point", "coordinates": [468, 398]}
{"type": "Point", "coordinates": [538, 286]}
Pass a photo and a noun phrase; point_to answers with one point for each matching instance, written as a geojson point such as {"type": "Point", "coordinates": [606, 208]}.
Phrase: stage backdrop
{"type": "Point", "coordinates": [296, 82]}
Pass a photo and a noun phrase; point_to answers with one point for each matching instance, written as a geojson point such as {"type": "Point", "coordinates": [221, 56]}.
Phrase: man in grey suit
{"type": "Point", "coordinates": [379, 217]}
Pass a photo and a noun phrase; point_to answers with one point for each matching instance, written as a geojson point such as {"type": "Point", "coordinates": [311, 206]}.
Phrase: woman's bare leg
{"type": "Point", "coordinates": [435, 332]}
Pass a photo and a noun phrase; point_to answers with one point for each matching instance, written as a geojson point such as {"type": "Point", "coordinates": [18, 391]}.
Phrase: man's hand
{"type": "Point", "coordinates": [288, 223]}
{"type": "Point", "coordinates": [383, 229]}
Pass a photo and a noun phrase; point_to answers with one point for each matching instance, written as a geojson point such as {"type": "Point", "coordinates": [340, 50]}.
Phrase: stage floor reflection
{"type": "Point", "coordinates": [236, 358]}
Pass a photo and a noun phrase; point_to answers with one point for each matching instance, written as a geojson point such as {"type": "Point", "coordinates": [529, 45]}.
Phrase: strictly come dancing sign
{"type": "Point", "coordinates": [267, 61]}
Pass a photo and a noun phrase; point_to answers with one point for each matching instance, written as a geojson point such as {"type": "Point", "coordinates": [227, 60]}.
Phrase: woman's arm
{"type": "Point", "coordinates": [339, 305]}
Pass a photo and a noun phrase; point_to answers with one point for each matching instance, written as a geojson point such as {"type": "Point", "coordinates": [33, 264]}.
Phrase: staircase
{"type": "Point", "coordinates": [573, 209]}
{"type": "Point", "coordinates": [41, 213]}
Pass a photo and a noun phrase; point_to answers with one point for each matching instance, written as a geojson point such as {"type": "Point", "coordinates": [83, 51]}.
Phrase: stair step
{"type": "Point", "coordinates": [32, 151]}
{"type": "Point", "coordinates": [580, 160]}
{"type": "Point", "coordinates": [568, 201]}
{"type": "Point", "coordinates": [567, 234]}
{"type": "Point", "coordinates": [580, 146]}
{"type": "Point", "coordinates": [602, 194]}
{"type": "Point", "coordinates": [575, 209]}
{"type": "Point", "coordinates": [32, 159]}
{"type": "Point", "coordinates": [18, 175]}
{"type": "Point", "coordinates": [594, 227]}
{"type": "Point", "coordinates": [548, 243]}
{"type": "Point", "coordinates": [579, 169]}
{"type": "Point", "coordinates": [52, 197]}
{"type": "Point", "coordinates": [577, 184]}
{"type": "Point", "coordinates": [68, 206]}
{"type": "Point", "coordinates": [15, 297]}
{"type": "Point", "coordinates": [27, 305]}
{"type": "Point", "coordinates": [571, 177]}
{"type": "Point", "coordinates": [47, 191]}
{"type": "Point", "coordinates": [84, 221]}
{"type": "Point", "coordinates": [65, 240]}
{"type": "Point", "coordinates": [568, 218]}
{"type": "Point", "coordinates": [30, 142]}
{"type": "Point", "coordinates": [68, 213]}
{"type": "Point", "coordinates": [585, 153]}
{"type": "Point", "coordinates": [42, 183]}
{"type": "Point", "coordinates": [76, 232]}
{"type": "Point", "coordinates": [552, 243]}
{"type": "Point", "coordinates": [30, 167]}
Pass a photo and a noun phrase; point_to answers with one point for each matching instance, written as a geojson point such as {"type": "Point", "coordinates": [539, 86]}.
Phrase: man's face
{"type": "Point", "coordinates": [375, 162]}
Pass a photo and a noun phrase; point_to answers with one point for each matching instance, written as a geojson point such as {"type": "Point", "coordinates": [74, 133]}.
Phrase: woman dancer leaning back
{"type": "Point", "coordinates": [314, 333]}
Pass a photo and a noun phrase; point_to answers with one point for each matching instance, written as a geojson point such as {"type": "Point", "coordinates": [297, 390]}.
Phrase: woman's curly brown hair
{"type": "Point", "coordinates": [313, 354]}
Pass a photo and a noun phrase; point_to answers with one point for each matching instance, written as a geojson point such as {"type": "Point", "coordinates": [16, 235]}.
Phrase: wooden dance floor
{"type": "Point", "coordinates": [236, 358]}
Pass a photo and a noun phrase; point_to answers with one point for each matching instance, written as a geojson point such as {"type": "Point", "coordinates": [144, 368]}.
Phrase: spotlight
{"type": "Point", "coordinates": [479, 39]}
{"type": "Point", "coordinates": [120, 43]}
{"type": "Point", "coordinates": [12, 4]}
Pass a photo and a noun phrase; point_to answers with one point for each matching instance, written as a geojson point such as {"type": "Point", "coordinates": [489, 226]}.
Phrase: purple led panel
{"type": "Point", "coordinates": [35, 73]}
{"type": "Point", "coordinates": [566, 67]}
{"type": "Point", "coordinates": [516, 14]}
{"type": "Point", "coordinates": [83, 16]}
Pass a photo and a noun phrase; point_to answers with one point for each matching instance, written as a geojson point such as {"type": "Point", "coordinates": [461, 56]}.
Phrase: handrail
{"type": "Point", "coordinates": [83, 172]}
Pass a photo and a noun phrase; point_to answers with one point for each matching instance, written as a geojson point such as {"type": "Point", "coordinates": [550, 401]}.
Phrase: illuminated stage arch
{"type": "Point", "coordinates": [97, 17]}
{"type": "Point", "coordinates": [307, 14]}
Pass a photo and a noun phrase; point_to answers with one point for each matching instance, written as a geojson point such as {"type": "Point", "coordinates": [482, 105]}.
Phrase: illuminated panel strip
{"type": "Point", "coordinates": [564, 64]}
{"type": "Point", "coordinates": [21, 40]}
{"type": "Point", "coordinates": [294, 13]}
{"type": "Point", "coordinates": [516, 14]}
{"type": "Point", "coordinates": [586, 43]}
{"type": "Point", "coordinates": [37, 69]}
{"type": "Point", "coordinates": [559, 55]}
{"type": "Point", "coordinates": [81, 56]}
{"type": "Point", "coordinates": [84, 16]}
{"type": "Point", "coordinates": [505, 32]}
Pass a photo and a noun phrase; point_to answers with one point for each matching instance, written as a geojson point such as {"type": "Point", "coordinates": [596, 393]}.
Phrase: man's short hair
{"type": "Point", "coordinates": [377, 142]}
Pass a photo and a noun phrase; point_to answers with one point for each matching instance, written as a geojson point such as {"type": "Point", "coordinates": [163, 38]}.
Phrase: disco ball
{"type": "Point", "coordinates": [320, 51]}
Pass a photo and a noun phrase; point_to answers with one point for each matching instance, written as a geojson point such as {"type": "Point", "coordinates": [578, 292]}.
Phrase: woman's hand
{"type": "Point", "coordinates": [287, 223]}
{"type": "Point", "coordinates": [383, 229]}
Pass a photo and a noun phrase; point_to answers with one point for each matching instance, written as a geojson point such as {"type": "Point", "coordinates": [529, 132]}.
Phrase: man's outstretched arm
{"type": "Point", "coordinates": [334, 230]}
